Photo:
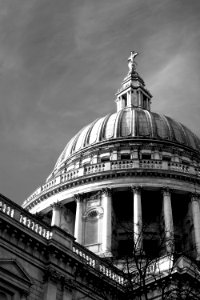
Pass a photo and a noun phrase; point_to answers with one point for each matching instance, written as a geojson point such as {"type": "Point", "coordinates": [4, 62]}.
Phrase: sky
{"type": "Point", "coordinates": [61, 63]}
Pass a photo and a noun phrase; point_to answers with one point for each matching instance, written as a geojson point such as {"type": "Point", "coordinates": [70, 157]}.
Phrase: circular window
{"type": "Point", "coordinates": [93, 214]}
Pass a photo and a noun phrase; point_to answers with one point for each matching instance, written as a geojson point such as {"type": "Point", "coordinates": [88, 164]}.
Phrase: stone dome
{"type": "Point", "coordinates": [131, 123]}
{"type": "Point", "coordinates": [131, 145]}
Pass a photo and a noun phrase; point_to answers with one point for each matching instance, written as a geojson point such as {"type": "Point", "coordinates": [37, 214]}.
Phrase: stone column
{"type": "Point", "coordinates": [137, 217]}
{"type": "Point", "coordinates": [56, 214]}
{"type": "Point", "coordinates": [67, 220]}
{"type": "Point", "coordinates": [139, 99]}
{"type": "Point", "coordinates": [196, 222]}
{"type": "Point", "coordinates": [107, 222]}
{"type": "Point", "coordinates": [168, 220]}
{"type": "Point", "coordinates": [78, 230]}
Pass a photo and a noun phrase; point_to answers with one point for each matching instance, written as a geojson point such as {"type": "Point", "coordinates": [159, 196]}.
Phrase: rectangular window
{"type": "Point", "coordinates": [125, 156]}
{"type": "Point", "coordinates": [105, 158]}
{"type": "Point", "coordinates": [146, 156]}
{"type": "Point", "coordinates": [91, 231]}
{"type": "Point", "coordinates": [166, 158]}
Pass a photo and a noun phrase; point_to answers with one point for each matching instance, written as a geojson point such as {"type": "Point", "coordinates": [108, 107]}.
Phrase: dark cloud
{"type": "Point", "coordinates": [61, 63]}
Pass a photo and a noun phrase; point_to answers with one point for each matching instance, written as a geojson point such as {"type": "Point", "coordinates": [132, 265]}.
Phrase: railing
{"type": "Point", "coordinates": [150, 164]}
{"type": "Point", "coordinates": [33, 225]}
{"type": "Point", "coordinates": [94, 168]}
{"type": "Point", "coordinates": [115, 165]}
{"type": "Point", "coordinates": [16, 212]}
{"type": "Point", "coordinates": [178, 167]}
{"type": "Point", "coordinates": [70, 175]}
{"type": "Point", "coordinates": [6, 209]}
{"type": "Point", "coordinates": [50, 184]}
{"type": "Point", "coordinates": [97, 263]}
{"type": "Point", "coordinates": [123, 164]}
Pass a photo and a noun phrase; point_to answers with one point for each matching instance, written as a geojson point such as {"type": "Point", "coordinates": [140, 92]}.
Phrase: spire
{"type": "Point", "coordinates": [133, 92]}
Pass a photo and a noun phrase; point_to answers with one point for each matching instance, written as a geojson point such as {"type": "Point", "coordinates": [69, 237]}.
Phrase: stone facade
{"type": "Point", "coordinates": [42, 262]}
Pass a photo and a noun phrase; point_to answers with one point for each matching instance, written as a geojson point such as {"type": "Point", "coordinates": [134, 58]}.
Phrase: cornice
{"type": "Point", "coordinates": [92, 178]}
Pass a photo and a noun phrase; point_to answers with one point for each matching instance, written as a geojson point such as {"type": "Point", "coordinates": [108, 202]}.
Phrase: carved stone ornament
{"type": "Point", "coordinates": [136, 189]}
{"type": "Point", "coordinates": [78, 197]}
{"type": "Point", "coordinates": [52, 274]}
{"type": "Point", "coordinates": [195, 197]}
{"type": "Point", "coordinates": [94, 213]}
{"type": "Point", "coordinates": [166, 191]}
{"type": "Point", "coordinates": [56, 205]}
{"type": "Point", "coordinates": [107, 192]}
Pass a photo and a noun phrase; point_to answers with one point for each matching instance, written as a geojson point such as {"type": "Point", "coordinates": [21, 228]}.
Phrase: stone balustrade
{"type": "Point", "coordinates": [94, 168]}
{"type": "Point", "coordinates": [70, 175]}
{"type": "Point", "coordinates": [33, 225]}
{"type": "Point", "coordinates": [16, 212]}
{"type": "Point", "coordinates": [97, 263]}
{"type": "Point", "coordinates": [111, 166]}
{"type": "Point", "coordinates": [178, 167]}
{"type": "Point", "coordinates": [6, 209]}
{"type": "Point", "coordinates": [123, 164]}
{"type": "Point", "coordinates": [50, 184]}
{"type": "Point", "coordinates": [150, 164]}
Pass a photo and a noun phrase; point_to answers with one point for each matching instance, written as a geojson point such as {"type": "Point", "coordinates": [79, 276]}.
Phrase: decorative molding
{"type": "Point", "coordinates": [136, 189]}
{"type": "Point", "coordinates": [98, 211]}
{"type": "Point", "coordinates": [141, 173]}
{"type": "Point", "coordinates": [166, 191]}
{"type": "Point", "coordinates": [107, 192]}
{"type": "Point", "coordinates": [78, 197]}
{"type": "Point", "coordinates": [194, 196]}
{"type": "Point", "coordinates": [56, 205]}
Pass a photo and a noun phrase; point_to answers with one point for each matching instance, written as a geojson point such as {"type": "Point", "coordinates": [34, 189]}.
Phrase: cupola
{"type": "Point", "coordinates": [133, 92]}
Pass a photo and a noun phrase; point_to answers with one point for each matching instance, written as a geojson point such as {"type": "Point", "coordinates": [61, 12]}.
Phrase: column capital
{"type": "Point", "coordinates": [194, 196]}
{"type": "Point", "coordinates": [78, 198]}
{"type": "Point", "coordinates": [136, 189]}
{"type": "Point", "coordinates": [107, 191]}
{"type": "Point", "coordinates": [56, 205]}
{"type": "Point", "coordinates": [166, 190]}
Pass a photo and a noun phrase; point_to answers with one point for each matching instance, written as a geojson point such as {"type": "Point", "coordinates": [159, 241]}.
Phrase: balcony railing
{"type": "Point", "coordinates": [97, 263]}
{"type": "Point", "coordinates": [115, 165]}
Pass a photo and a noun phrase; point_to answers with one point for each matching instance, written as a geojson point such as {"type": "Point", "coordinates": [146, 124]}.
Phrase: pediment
{"type": "Point", "coordinates": [14, 268]}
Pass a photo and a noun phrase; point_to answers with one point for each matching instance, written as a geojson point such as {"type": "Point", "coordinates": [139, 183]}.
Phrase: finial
{"type": "Point", "coordinates": [131, 62]}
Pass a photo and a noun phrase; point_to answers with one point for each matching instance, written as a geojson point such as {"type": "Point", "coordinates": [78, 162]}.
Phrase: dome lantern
{"type": "Point", "coordinates": [133, 92]}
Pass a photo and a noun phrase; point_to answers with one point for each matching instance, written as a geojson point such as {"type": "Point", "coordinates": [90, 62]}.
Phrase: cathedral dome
{"type": "Point", "coordinates": [119, 167]}
{"type": "Point", "coordinates": [129, 123]}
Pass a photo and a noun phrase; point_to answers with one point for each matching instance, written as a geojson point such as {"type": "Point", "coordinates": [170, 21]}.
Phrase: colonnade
{"type": "Point", "coordinates": [106, 225]}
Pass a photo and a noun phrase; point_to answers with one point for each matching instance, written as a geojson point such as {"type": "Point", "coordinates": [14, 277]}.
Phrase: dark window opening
{"type": "Point", "coordinates": [124, 97]}
{"type": "Point", "coordinates": [151, 248]}
{"type": "Point", "coordinates": [105, 158]}
{"type": "Point", "coordinates": [166, 158]}
{"type": "Point", "coordinates": [125, 156]}
{"type": "Point", "coordinates": [125, 248]}
{"type": "Point", "coordinates": [146, 156]}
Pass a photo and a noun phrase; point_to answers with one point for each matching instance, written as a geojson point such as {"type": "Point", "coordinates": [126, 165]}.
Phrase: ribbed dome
{"type": "Point", "coordinates": [130, 123]}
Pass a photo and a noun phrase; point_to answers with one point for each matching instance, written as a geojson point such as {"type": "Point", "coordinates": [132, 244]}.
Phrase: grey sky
{"type": "Point", "coordinates": [61, 63]}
